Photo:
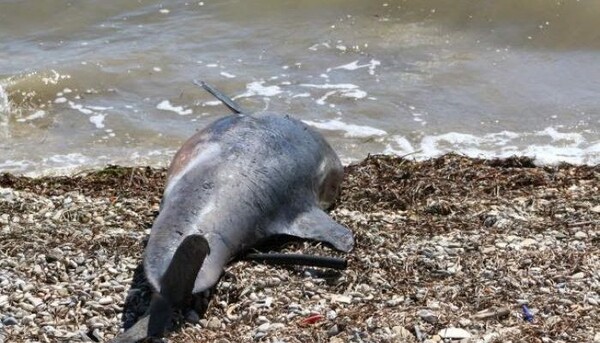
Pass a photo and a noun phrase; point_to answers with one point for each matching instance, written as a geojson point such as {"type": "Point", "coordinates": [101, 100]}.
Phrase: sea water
{"type": "Point", "coordinates": [88, 83]}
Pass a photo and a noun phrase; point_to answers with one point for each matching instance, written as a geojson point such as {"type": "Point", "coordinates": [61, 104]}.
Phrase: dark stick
{"type": "Point", "coordinates": [227, 101]}
{"type": "Point", "coordinates": [298, 259]}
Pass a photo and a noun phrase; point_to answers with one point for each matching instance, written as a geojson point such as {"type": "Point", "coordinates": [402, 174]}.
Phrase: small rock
{"type": "Point", "coordinates": [334, 330]}
{"type": "Point", "coordinates": [428, 316]}
{"type": "Point", "coordinates": [528, 242]}
{"type": "Point", "coordinates": [581, 235]}
{"type": "Point", "coordinates": [394, 301]}
{"type": "Point", "coordinates": [8, 321]}
{"type": "Point", "coordinates": [214, 323]}
{"type": "Point", "coordinates": [597, 335]}
{"type": "Point", "coordinates": [596, 209]}
{"type": "Point", "coordinates": [401, 334]}
{"type": "Point", "coordinates": [105, 301]}
{"type": "Point", "coordinates": [436, 338]}
{"type": "Point", "coordinates": [276, 326]}
{"type": "Point", "coordinates": [3, 300]}
{"type": "Point", "coordinates": [578, 276]}
{"type": "Point", "coordinates": [54, 255]}
{"type": "Point", "coordinates": [341, 299]}
{"type": "Point", "coordinates": [454, 333]}
{"type": "Point", "coordinates": [331, 315]}
{"type": "Point", "coordinates": [264, 327]}
{"type": "Point", "coordinates": [262, 319]}
{"type": "Point", "coordinates": [464, 322]}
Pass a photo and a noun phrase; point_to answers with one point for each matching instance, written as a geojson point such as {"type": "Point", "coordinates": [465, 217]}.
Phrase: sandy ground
{"type": "Point", "coordinates": [447, 249]}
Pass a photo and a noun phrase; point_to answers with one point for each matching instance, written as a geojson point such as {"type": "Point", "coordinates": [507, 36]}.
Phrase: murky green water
{"type": "Point", "coordinates": [86, 83]}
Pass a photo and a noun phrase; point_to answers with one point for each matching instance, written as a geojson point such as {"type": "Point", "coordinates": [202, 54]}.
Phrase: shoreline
{"type": "Point", "coordinates": [446, 242]}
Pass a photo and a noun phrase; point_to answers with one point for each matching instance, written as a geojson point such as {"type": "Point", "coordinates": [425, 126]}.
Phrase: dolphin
{"type": "Point", "coordinates": [242, 180]}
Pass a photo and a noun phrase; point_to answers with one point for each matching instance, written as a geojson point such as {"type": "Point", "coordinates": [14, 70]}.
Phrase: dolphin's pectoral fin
{"type": "Point", "coordinates": [317, 225]}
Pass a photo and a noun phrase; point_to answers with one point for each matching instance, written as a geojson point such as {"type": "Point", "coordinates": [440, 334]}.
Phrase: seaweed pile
{"type": "Point", "coordinates": [451, 248]}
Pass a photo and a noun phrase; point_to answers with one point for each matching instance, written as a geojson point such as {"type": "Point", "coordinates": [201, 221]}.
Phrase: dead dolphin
{"type": "Point", "coordinates": [240, 181]}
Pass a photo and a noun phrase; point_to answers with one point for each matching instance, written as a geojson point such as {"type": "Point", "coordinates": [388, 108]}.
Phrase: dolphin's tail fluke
{"type": "Point", "coordinates": [175, 286]}
{"type": "Point", "coordinates": [232, 105]}
{"type": "Point", "coordinates": [178, 281]}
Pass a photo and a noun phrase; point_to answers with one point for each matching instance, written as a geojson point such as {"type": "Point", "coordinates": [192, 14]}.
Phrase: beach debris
{"type": "Point", "coordinates": [495, 312]}
{"type": "Point", "coordinates": [454, 333]}
{"type": "Point", "coordinates": [311, 319]}
{"type": "Point", "coordinates": [527, 314]}
{"type": "Point", "coordinates": [400, 247]}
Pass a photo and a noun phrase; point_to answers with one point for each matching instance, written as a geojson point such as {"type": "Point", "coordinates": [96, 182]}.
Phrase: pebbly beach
{"type": "Point", "coordinates": [447, 249]}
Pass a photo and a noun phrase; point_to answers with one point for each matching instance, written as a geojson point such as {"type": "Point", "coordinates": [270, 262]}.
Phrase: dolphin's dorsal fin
{"type": "Point", "coordinates": [227, 101]}
{"type": "Point", "coordinates": [315, 224]}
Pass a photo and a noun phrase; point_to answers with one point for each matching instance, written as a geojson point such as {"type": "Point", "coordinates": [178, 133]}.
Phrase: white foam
{"type": "Point", "coordinates": [569, 147]}
{"type": "Point", "coordinates": [14, 166]}
{"type": "Point", "coordinates": [330, 85]}
{"type": "Point", "coordinates": [166, 105]}
{"type": "Point", "coordinates": [80, 108]}
{"type": "Point", "coordinates": [301, 95]}
{"type": "Point", "coordinates": [258, 88]}
{"type": "Point", "coordinates": [4, 103]}
{"type": "Point", "coordinates": [354, 93]}
{"type": "Point", "coordinates": [98, 120]}
{"type": "Point", "coordinates": [99, 108]}
{"type": "Point", "coordinates": [347, 90]}
{"type": "Point", "coordinates": [404, 147]}
{"type": "Point", "coordinates": [350, 130]}
{"type": "Point", "coordinates": [54, 78]}
{"type": "Point", "coordinates": [227, 75]}
{"type": "Point", "coordinates": [36, 115]}
{"type": "Point", "coordinates": [321, 100]}
{"type": "Point", "coordinates": [373, 63]}
{"type": "Point", "coordinates": [212, 103]}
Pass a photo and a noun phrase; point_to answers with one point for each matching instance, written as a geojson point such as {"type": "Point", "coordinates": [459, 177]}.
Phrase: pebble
{"type": "Point", "coordinates": [214, 323]}
{"type": "Point", "coordinates": [331, 315]}
{"type": "Point", "coordinates": [344, 299]}
{"type": "Point", "coordinates": [263, 327]}
{"type": "Point", "coordinates": [428, 316]}
{"type": "Point", "coordinates": [3, 300]}
{"type": "Point", "coordinates": [334, 330]}
{"type": "Point", "coordinates": [79, 282]}
{"type": "Point", "coordinates": [105, 301]}
{"type": "Point", "coordinates": [401, 334]}
{"type": "Point", "coordinates": [54, 255]}
{"type": "Point", "coordinates": [454, 333]}
{"type": "Point", "coordinates": [8, 321]}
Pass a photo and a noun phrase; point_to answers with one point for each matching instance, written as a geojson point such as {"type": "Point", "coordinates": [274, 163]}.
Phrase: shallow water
{"type": "Point", "coordinates": [87, 83]}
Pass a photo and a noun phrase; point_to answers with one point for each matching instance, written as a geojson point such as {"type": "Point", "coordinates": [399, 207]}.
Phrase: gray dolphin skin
{"type": "Point", "coordinates": [238, 182]}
